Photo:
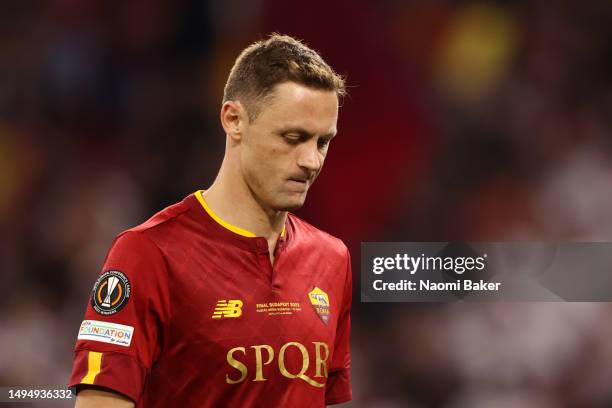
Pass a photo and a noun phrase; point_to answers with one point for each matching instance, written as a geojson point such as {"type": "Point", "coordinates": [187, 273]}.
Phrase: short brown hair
{"type": "Point", "coordinates": [280, 58]}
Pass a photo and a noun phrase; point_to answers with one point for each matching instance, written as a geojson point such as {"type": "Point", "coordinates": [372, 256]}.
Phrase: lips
{"type": "Point", "coordinates": [299, 180]}
{"type": "Point", "coordinates": [298, 183]}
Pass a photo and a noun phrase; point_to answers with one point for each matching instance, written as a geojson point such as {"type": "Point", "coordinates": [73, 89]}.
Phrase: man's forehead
{"type": "Point", "coordinates": [298, 91]}
{"type": "Point", "coordinates": [300, 96]}
{"type": "Point", "coordinates": [301, 107]}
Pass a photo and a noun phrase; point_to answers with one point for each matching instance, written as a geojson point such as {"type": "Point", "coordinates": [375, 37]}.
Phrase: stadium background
{"type": "Point", "coordinates": [486, 120]}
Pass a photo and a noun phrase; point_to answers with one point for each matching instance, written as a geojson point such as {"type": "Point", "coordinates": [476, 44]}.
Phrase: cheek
{"type": "Point", "coordinates": [321, 161]}
{"type": "Point", "coordinates": [254, 154]}
{"type": "Point", "coordinates": [259, 167]}
{"type": "Point", "coordinates": [266, 160]}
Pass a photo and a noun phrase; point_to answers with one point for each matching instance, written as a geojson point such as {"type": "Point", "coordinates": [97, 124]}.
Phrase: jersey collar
{"type": "Point", "coordinates": [233, 232]}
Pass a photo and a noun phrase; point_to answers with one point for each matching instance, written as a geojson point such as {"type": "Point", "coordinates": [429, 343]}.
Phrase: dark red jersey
{"type": "Point", "coordinates": [189, 311]}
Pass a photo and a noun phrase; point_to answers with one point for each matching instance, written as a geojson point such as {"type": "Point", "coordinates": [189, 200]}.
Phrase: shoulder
{"type": "Point", "coordinates": [149, 235]}
{"type": "Point", "coordinates": [307, 234]}
{"type": "Point", "coordinates": [167, 217]}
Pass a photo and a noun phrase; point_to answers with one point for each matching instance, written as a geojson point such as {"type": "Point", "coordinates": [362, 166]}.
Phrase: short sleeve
{"type": "Point", "coordinates": [338, 388]}
{"type": "Point", "coordinates": [122, 332]}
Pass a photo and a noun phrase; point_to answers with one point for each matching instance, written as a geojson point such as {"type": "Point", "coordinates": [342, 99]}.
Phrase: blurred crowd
{"type": "Point", "coordinates": [465, 120]}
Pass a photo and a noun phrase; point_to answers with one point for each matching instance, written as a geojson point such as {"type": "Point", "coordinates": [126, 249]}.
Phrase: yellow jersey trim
{"type": "Point", "coordinates": [223, 223]}
{"type": "Point", "coordinates": [94, 365]}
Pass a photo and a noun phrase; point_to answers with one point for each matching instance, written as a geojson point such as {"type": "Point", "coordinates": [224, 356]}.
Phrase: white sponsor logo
{"type": "Point", "coordinates": [106, 332]}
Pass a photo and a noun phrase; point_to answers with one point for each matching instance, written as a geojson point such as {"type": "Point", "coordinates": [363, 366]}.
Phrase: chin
{"type": "Point", "coordinates": [290, 204]}
{"type": "Point", "coordinates": [290, 207]}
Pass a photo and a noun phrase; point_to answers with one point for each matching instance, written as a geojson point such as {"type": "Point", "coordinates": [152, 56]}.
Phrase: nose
{"type": "Point", "coordinates": [309, 157]}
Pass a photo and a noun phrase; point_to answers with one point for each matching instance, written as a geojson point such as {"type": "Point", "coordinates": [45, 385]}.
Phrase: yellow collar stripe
{"type": "Point", "coordinates": [223, 223]}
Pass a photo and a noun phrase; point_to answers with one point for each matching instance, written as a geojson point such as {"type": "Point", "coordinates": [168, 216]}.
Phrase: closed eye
{"type": "Point", "coordinates": [292, 138]}
{"type": "Point", "coordinates": [323, 143]}
{"type": "Point", "coordinates": [296, 136]}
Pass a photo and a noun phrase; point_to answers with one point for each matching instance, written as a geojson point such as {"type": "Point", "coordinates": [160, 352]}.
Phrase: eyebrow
{"type": "Point", "coordinates": [305, 133]}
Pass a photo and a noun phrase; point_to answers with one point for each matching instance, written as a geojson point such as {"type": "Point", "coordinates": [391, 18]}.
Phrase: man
{"type": "Point", "coordinates": [225, 299]}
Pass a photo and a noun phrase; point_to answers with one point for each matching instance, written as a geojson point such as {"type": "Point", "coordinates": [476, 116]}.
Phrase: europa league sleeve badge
{"type": "Point", "coordinates": [110, 293]}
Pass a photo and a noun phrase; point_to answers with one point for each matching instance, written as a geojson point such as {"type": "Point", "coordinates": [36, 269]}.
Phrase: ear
{"type": "Point", "coordinates": [233, 119]}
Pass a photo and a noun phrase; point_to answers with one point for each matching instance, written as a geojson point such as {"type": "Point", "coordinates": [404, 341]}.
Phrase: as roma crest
{"type": "Point", "coordinates": [320, 302]}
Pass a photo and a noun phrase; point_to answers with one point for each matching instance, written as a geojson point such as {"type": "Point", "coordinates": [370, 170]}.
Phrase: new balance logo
{"type": "Point", "coordinates": [228, 308]}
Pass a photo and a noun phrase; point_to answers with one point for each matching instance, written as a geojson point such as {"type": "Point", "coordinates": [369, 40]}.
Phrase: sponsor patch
{"type": "Point", "coordinates": [320, 302]}
{"type": "Point", "coordinates": [111, 293]}
{"type": "Point", "coordinates": [106, 332]}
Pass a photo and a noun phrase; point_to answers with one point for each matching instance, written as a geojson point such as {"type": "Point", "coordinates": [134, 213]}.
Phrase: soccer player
{"type": "Point", "coordinates": [226, 299]}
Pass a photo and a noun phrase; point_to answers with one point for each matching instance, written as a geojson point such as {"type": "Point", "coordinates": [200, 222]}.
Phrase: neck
{"type": "Point", "coordinates": [232, 200]}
